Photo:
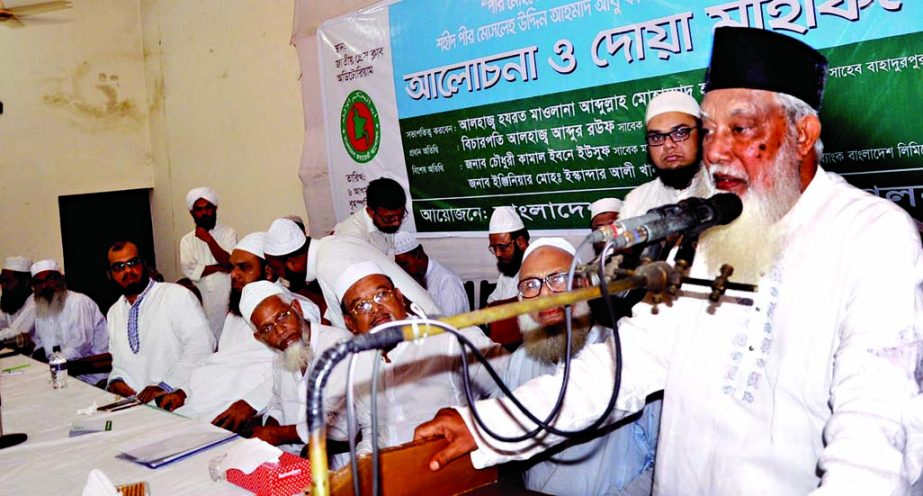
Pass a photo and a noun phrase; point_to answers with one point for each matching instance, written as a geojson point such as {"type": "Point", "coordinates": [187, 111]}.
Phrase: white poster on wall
{"type": "Point", "coordinates": [360, 109]}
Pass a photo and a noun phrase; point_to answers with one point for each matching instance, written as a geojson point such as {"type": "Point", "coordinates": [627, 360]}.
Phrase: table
{"type": "Point", "coordinates": [50, 462]}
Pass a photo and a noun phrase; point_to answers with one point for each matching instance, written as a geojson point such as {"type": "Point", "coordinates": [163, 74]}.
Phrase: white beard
{"type": "Point", "coordinates": [53, 308]}
{"type": "Point", "coordinates": [548, 344]}
{"type": "Point", "coordinates": [298, 354]}
{"type": "Point", "coordinates": [752, 243]}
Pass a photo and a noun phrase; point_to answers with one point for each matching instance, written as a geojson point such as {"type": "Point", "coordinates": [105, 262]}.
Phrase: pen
{"type": "Point", "coordinates": [18, 367]}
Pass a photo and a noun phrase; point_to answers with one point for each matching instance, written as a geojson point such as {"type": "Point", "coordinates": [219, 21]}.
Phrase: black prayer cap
{"type": "Point", "coordinates": [765, 60]}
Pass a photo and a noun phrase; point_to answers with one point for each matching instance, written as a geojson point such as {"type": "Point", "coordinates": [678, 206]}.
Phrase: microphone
{"type": "Point", "coordinates": [690, 216]}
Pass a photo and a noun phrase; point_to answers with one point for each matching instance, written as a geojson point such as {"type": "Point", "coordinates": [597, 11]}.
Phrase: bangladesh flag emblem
{"type": "Point", "coordinates": [360, 127]}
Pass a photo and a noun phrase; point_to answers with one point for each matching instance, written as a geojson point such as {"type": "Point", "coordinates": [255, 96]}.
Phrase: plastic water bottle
{"type": "Point", "coordinates": [58, 365]}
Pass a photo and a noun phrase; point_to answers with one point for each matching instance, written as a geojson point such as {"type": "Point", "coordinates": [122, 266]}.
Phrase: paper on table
{"type": "Point", "coordinates": [156, 451]}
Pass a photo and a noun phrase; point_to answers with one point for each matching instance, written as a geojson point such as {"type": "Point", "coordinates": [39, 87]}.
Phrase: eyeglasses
{"type": "Point", "coordinates": [118, 267]}
{"type": "Point", "coordinates": [51, 276]}
{"type": "Point", "coordinates": [364, 307]}
{"type": "Point", "coordinates": [500, 247]}
{"type": "Point", "coordinates": [532, 287]}
{"type": "Point", "coordinates": [677, 135]}
{"type": "Point", "coordinates": [271, 327]}
{"type": "Point", "coordinates": [390, 218]}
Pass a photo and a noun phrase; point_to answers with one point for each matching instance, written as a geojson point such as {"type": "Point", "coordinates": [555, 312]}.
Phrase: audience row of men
{"type": "Point", "coordinates": [810, 383]}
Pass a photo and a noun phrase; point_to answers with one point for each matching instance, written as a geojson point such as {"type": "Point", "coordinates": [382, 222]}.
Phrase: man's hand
{"type": "Point", "coordinates": [448, 424]}
{"type": "Point", "coordinates": [149, 393]}
{"type": "Point", "coordinates": [121, 389]}
{"type": "Point", "coordinates": [235, 416]}
{"type": "Point", "coordinates": [268, 433]}
{"type": "Point", "coordinates": [203, 234]}
{"type": "Point", "coordinates": [171, 401]}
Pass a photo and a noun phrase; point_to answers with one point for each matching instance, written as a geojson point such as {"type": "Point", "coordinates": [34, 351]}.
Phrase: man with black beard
{"type": "Point", "coordinates": [235, 382]}
{"type": "Point", "coordinates": [17, 307]}
{"type": "Point", "coordinates": [204, 255]}
{"type": "Point", "coordinates": [277, 321]}
{"type": "Point", "coordinates": [674, 148]}
{"type": "Point", "coordinates": [809, 383]}
{"type": "Point", "coordinates": [286, 248]}
{"type": "Point", "coordinates": [385, 209]}
{"type": "Point", "coordinates": [618, 459]}
{"type": "Point", "coordinates": [508, 238]}
{"type": "Point", "coordinates": [70, 320]}
{"type": "Point", "coordinates": [158, 333]}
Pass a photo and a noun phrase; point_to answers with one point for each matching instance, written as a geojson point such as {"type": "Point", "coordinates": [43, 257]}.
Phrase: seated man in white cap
{"type": "Point", "coordinates": [674, 147]}
{"type": "Point", "coordinates": [235, 383]}
{"type": "Point", "coordinates": [616, 459]}
{"type": "Point", "coordinates": [286, 249]}
{"type": "Point", "coordinates": [385, 208]}
{"type": "Point", "coordinates": [204, 253]}
{"type": "Point", "coordinates": [603, 212]}
{"type": "Point", "coordinates": [17, 307]}
{"type": "Point", "coordinates": [508, 239]}
{"type": "Point", "coordinates": [415, 379]}
{"type": "Point", "coordinates": [329, 257]}
{"type": "Point", "coordinates": [278, 322]}
{"type": "Point", "coordinates": [158, 333]}
{"type": "Point", "coordinates": [71, 321]}
{"type": "Point", "coordinates": [444, 285]}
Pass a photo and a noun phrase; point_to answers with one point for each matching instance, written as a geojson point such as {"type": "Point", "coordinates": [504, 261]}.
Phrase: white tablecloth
{"type": "Point", "coordinates": [50, 462]}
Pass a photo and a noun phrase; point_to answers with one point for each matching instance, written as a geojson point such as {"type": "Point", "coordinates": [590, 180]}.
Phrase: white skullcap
{"type": "Point", "coordinates": [254, 293]}
{"type": "Point", "coordinates": [559, 243]}
{"type": "Point", "coordinates": [296, 219]}
{"type": "Point", "coordinates": [504, 220]}
{"type": "Point", "coordinates": [203, 192]}
{"type": "Point", "coordinates": [282, 238]}
{"type": "Point", "coordinates": [252, 243]}
{"type": "Point", "coordinates": [672, 101]}
{"type": "Point", "coordinates": [43, 265]}
{"type": "Point", "coordinates": [17, 264]}
{"type": "Point", "coordinates": [404, 242]}
{"type": "Point", "coordinates": [604, 205]}
{"type": "Point", "coordinates": [353, 274]}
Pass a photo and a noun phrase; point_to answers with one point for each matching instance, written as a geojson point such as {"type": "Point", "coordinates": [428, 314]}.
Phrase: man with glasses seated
{"type": "Point", "coordinates": [385, 209]}
{"type": "Point", "coordinates": [70, 320]}
{"type": "Point", "coordinates": [277, 320]}
{"type": "Point", "coordinates": [415, 378]}
{"type": "Point", "coordinates": [674, 147]}
{"type": "Point", "coordinates": [616, 459]}
{"type": "Point", "coordinates": [508, 238]}
{"type": "Point", "coordinates": [158, 332]}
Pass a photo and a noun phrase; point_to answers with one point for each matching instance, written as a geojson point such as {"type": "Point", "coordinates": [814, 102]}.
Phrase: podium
{"type": "Point", "coordinates": [404, 470]}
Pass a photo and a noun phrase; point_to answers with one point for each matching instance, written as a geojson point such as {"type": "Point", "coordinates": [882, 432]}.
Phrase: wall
{"type": "Point", "coordinates": [75, 117]}
{"type": "Point", "coordinates": [225, 88]}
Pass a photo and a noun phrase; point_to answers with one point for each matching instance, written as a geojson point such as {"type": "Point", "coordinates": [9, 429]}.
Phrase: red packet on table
{"type": "Point", "coordinates": [291, 475]}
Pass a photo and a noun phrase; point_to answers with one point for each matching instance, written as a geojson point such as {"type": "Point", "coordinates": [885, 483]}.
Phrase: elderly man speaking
{"type": "Point", "coordinates": [803, 386]}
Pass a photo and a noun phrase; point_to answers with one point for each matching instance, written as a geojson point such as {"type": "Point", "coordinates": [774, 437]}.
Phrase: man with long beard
{"type": "Point", "coordinates": [158, 333]}
{"type": "Point", "coordinates": [204, 254]}
{"type": "Point", "coordinates": [508, 238]}
{"type": "Point", "coordinates": [17, 307]}
{"type": "Point", "coordinates": [235, 382]}
{"type": "Point", "coordinates": [618, 459]}
{"type": "Point", "coordinates": [673, 137]}
{"type": "Point", "coordinates": [415, 379]}
{"type": "Point", "coordinates": [278, 322]}
{"type": "Point", "coordinates": [70, 320]}
{"type": "Point", "coordinates": [803, 386]}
